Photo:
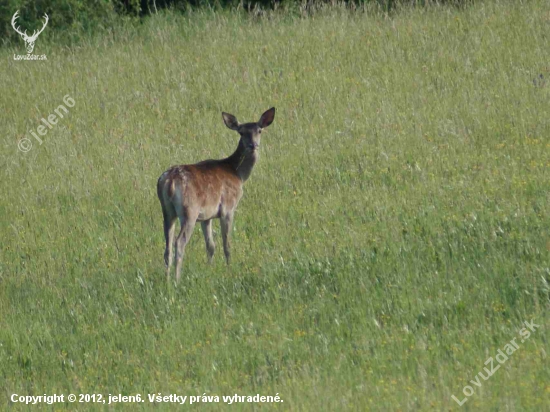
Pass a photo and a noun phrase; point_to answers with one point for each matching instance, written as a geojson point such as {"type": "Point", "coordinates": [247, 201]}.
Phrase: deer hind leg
{"type": "Point", "coordinates": [170, 217]}
{"type": "Point", "coordinates": [187, 221]}
{"type": "Point", "coordinates": [210, 246]}
{"type": "Point", "coordinates": [226, 222]}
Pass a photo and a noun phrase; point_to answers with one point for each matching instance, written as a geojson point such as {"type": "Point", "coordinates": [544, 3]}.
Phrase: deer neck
{"type": "Point", "coordinates": [243, 161]}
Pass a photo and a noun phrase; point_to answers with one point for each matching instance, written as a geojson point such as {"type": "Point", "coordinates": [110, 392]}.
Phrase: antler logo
{"type": "Point", "coordinates": [29, 40]}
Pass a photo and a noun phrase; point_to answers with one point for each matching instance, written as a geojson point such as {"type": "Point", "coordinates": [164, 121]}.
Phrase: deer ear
{"type": "Point", "coordinates": [230, 121]}
{"type": "Point", "coordinates": [267, 118]}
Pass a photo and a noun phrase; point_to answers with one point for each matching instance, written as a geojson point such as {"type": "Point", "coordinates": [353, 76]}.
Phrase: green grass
{"type": "Point", "coordinates": [394, 234]}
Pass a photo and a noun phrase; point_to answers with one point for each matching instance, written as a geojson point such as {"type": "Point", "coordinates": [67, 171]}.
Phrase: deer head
{"type": "Point", "coordinates": [29, 40]}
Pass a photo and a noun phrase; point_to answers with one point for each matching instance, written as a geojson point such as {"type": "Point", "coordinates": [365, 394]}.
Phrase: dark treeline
{"type": "Point", "coordinates": [89, 16]}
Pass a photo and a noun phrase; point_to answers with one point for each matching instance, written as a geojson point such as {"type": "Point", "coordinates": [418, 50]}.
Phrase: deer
{"type": "Point", "coordinates": [208, 190]}
{"type": "Point", "coordinates": [29, 40]}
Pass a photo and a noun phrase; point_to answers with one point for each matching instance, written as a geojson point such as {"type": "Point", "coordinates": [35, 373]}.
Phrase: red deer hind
{"type": "Point", "coordinates": [208, 190]}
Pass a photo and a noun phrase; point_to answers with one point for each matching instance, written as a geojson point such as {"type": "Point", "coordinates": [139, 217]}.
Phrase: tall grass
{"type": "Point", "coordinates": [394, 235]}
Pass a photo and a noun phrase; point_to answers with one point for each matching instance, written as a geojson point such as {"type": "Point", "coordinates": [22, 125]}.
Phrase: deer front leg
{"type": "Point", "coordinates": [226, 223]}
{"type": "Point", "coordinates": [210, 246]}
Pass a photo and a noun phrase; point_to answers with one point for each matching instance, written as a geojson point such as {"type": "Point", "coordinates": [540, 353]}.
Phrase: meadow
{"type": "Point", "coordinates": [394, 235]}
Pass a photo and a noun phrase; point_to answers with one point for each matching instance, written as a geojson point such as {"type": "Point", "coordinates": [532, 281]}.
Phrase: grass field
{"type": "Point", "coordinates": [394, 235]}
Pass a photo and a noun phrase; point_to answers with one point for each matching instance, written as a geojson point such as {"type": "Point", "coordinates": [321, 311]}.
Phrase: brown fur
{"type": "Point", "coordinates": [208, 190]}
